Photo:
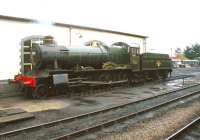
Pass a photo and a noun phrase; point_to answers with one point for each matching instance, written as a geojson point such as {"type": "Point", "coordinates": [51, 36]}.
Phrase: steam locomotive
{"type": "Point", "coordinates": [55, 67]}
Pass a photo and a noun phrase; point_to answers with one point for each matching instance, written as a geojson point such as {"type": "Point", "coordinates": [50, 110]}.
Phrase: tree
{"type": "Point", "coordinates": [178, 51]}
{"type": "Point", "coordinates": [193, 51]}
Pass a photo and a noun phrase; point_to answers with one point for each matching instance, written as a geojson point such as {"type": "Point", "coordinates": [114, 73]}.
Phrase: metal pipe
{"type": "Point", "coordinates": [70, 36]}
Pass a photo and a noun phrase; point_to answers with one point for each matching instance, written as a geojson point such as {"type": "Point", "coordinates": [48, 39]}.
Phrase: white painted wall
{"type": "Point", "coordinates": [11, 34]}
{"type": "Point", "coordinates": [107, 38]}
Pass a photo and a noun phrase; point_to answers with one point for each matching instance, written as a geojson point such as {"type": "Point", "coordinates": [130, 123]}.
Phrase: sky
{"type": "Point", "coordinates": [169, 24]}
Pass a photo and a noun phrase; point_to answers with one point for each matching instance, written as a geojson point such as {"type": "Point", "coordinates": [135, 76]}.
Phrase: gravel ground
{"type": "Point", "coordinates": [75, 106]}
{"type": "Point", "coordinates": [100, 118]}
{"type": "Point", "coordinates": [159, 127]}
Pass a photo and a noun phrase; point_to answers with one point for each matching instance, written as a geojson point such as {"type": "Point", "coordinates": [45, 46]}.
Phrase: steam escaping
{"type": "Point", "coordinates": [43, 26]}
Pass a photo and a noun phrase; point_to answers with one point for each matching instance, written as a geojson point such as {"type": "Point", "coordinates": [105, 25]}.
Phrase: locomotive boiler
{"type": "Point", "coordinates": [92, 54]}
{"type": "Point", "coordinates": [59, 57]}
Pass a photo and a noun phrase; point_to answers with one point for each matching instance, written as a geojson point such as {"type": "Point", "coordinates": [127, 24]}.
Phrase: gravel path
{"type": "Point", "coordinates": [63, 128]}
{"type": "Point", "coordinates": [159, 127]}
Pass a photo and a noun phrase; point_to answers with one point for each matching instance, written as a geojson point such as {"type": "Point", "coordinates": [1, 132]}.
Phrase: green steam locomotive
{"type": "Point", "coordinates": [46, 66]}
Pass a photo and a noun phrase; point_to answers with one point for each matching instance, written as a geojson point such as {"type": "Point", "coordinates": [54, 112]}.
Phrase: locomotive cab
{"type": "Point", "coordinates": [134, 53]}
{"type": "Point", "coordinates": [124, 54]}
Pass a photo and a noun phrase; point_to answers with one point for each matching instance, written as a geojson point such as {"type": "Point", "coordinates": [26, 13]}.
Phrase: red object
{"type": "Point", "coordinates": [26, 80]}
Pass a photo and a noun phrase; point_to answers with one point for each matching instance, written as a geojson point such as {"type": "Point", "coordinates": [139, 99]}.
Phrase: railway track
{"type": "Point", "coordinates": [191, 131]}
{"type": "Point", "coordinates": [178, 77]}
{"type": "Point", "coordinates": [92, 121]}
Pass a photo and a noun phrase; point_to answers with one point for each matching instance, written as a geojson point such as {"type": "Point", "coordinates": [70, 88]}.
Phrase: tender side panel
{"type": "Point", "coordinates": [153, 61]}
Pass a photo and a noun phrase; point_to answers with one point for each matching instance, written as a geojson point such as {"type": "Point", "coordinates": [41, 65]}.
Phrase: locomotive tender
{"type": "Point", "coordinates": [54, 66]}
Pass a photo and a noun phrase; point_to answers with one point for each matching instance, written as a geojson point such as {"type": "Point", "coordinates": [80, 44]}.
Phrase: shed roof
{"type": "Point", "coordinates": [28, 20]}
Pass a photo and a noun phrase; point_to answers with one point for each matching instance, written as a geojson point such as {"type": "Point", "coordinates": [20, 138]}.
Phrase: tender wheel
{"type": "Point", "coordinates": [41, 91]}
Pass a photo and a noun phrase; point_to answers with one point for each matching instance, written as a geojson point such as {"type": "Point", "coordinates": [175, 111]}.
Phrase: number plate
{"type": "Point", "coordinates": [60, 79]}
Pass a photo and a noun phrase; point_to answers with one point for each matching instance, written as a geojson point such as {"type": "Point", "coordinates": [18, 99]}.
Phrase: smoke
{"type": "Point", "coordinates": [43, 26]}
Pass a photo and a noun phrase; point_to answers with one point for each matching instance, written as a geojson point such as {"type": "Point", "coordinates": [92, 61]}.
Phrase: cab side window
{"type": "Point", "coordinates": [134, 51]}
